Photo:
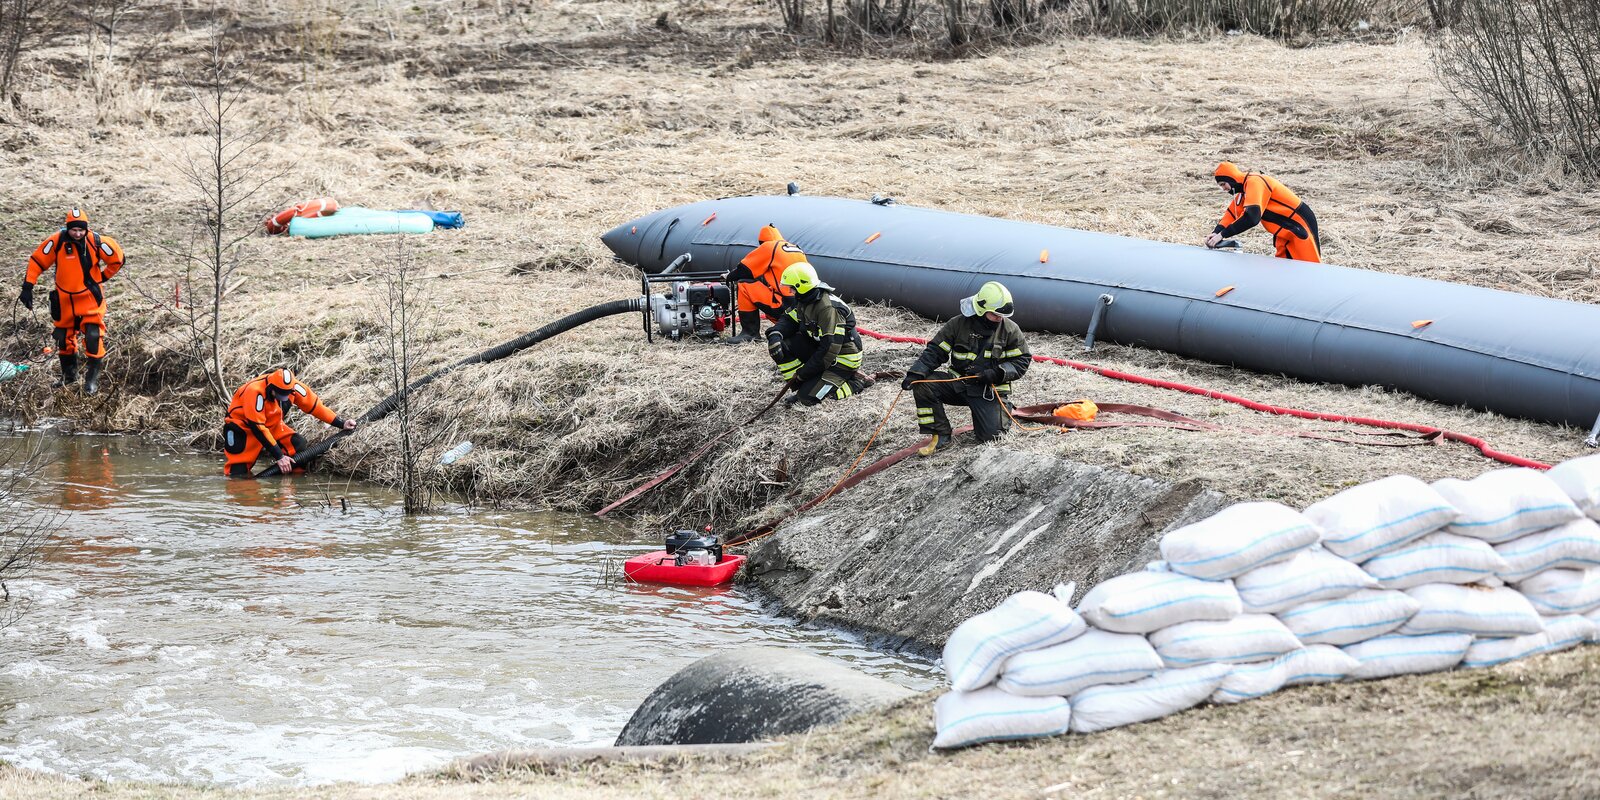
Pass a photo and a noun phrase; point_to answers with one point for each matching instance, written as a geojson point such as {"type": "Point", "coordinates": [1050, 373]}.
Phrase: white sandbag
{"type": "Point", "coordinates": [1319, 663]}
{"type": "Point", "coordinates": [1556, 592]}
{"type": "Point", "coordinates": [1363, 521]}
{"type": "Point", "coordinates": [962, 719]}
{"type": "Point", "coordinates": [1092, 659]}
{"type": "Point", "coordinates": [1478, 610]}
{"type": "Point", "coordinates": [1575, 545]}
{"type": "Point", "coordinates": [1594, 617]}
{"type": "Point", "coordinates": [1247, 637]}
{"type": "Point", "coordinates": [1167, 692]}
{"type": "Point", "coordinates": [1237, 539]}
{"type": "Point", "coordinates": [977, 650]}
{"type": "Point", "coordinates": [1311, 575]}
{"type": "Point", "coordinates": [1436, 558]}
{"type": "Point", "coordinates": [1356, 617]}
{"type": "Point", "coordinates": [1559, 633]}
{"type": "Point", "coordinates": [1406, 655]}
{"type": "Point", "coordinates": [1141, 602]}
{"type": "Point", "coordinates": [1502, 504]}
{"type": "Point", "coordinates": [1580, 479]}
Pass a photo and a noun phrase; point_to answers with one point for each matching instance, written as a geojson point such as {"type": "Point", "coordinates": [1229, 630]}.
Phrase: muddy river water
{"type": "Point", "coordinates": [189, 628]}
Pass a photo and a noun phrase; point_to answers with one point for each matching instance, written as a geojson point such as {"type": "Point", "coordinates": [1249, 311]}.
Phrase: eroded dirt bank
{"type": "Point", "coordinates": [957, 537]}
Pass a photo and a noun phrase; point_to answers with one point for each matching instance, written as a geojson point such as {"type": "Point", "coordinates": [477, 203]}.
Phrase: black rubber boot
{"type": "Point", "coordinates": [69, 370]}
{"type": "Point", "coordinates": [749, 327]}
{"type": "Point", "coordinates": [91, 376]}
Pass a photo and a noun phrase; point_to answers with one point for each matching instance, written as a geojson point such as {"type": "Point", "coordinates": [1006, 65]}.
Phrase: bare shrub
{"type": "Point", "coordinates": [1283, 18]}
{"type": "Point", "coordinates": [881, 17]}
{"type": "Point", "coordinates": [1530, 71]}
{"type": "Point", "coordinates": [404, 319]}
{"type": "Point", "coordinates": [227, 171]}
{"type": "Point", "coordinates": [22, 24]}
{"type": "Point", "coordinates": [25, 531]}
{"type": "Point", "coordinates": [1444, 13]}
{"type": "Point", "coordinates": [794, 14]}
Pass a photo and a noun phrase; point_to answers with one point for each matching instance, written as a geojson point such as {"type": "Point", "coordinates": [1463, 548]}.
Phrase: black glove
{"type": "Point", "coordinates": [27, 296]}
{"type": "Point", "coordinates": [993, 375]}
{"type": "Point", "coordinates": [905, 383]}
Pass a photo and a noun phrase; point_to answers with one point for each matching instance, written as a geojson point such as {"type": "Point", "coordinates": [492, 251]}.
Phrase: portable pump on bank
{"type": "Point", "coordinates": [696, 305]}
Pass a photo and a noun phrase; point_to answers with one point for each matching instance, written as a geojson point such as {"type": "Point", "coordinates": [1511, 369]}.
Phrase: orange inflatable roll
{"type": "Point", "coordinates": [315, 207]}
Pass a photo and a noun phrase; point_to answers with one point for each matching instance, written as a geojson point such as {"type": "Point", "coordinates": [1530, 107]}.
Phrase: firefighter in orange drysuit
{"type": "Point", "coordinates": [83, 261]}
{"type": "Point", "coordinates": [1260, 199]}
{"type": "Point", "coordinates": [759, 275]}
{"type": "Point", "coordinates": [255, 422]}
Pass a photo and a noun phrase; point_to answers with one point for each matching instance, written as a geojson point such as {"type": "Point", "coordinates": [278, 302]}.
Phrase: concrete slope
{"type": "Point", "coordinates": [914, 559]}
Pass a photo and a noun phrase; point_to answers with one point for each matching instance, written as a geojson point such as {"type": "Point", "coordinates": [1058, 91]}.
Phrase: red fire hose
{"type": "Point", "coordinates": [1483, 447]}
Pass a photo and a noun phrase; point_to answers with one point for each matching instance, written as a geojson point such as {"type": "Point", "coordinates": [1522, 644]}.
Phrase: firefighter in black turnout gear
{"type": "Point", "coordinates": [815, 343]}
{"type": "Point", "coordinates": [988, 350]}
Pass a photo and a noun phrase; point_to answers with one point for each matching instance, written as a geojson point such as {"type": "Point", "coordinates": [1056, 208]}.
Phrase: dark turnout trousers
{"type": "Point", "coordinates": [989, 420]}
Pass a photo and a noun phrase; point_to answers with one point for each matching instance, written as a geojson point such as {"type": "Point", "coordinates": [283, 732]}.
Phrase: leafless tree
{"type": "Point", "coordinates": [22, 24]}
{"type": "Point", "coordinates": [225, 173]}
{"type": "Point", "coordinates": [1530, 70]}
{"type": "Point", "coordinates": [794, 14]}
{"type": "Point", "coordinates": [405, 321]}
{"type": "Point", "coordinates": [1444, 12]}
{"type": "Point", "coordinates": [25, 531]}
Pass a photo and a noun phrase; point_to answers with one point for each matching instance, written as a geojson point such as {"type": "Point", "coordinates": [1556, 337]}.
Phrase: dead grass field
{"type": "Point", "coordinates": [552, 122]}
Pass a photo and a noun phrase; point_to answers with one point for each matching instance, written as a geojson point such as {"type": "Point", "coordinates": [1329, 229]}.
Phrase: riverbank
{"type": "Point", "coordinates": [1508, 731]}
{"type": "Point", "coordinates": [547, 128]}
{"type": "Point", "coordinates": [544, 146]}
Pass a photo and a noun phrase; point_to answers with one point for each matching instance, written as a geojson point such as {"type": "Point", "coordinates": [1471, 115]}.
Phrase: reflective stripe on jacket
{"type": "Point", "coordinates": [972, 344]}
{"type": "Point", "coordinates": [828, 322]}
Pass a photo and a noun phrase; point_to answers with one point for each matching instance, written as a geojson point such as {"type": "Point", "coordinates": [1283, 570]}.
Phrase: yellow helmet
{"type": "Point", "coordinates": [992, 296]}
{"type": "Point", "coordinates": [802, 278]}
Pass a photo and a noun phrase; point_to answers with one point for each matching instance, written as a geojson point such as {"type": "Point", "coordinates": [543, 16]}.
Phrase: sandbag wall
{"type": "Point", "coordinates": [1387, 578]}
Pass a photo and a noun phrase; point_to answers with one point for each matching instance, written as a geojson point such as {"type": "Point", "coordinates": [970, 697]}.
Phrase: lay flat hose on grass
{"type": "Point", "coordinates": [1481, 445]}
{"type": "Point", "coordinates": [496, 353]}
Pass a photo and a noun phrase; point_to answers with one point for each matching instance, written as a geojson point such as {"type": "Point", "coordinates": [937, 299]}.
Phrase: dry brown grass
{"type": "Point", "coordinates": [547, 125]}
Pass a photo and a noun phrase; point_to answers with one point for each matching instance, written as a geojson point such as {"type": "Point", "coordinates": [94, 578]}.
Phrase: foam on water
{"type": "Point", "coordinates": [195, 630]}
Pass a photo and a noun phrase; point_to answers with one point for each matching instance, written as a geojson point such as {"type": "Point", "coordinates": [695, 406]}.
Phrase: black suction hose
{"type": "Point", "coordinates": [495, 353]}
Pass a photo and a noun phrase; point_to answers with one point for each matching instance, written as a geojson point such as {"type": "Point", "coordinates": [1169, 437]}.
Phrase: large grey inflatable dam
{"type": "Point", "coordinates": [1518, 355]}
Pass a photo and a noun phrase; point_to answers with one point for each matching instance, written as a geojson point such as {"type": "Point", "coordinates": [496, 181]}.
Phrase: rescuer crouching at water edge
{"type": "Point", "coordinates": [255, 422]}
{"type": "Point", "coordinates": [815, 343]}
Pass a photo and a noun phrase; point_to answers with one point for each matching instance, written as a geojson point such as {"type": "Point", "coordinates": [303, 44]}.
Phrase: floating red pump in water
{"type": "Point", "coordinates": [658, 567]}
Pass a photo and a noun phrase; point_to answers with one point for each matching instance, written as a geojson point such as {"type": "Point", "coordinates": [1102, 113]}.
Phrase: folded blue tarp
{"type": "Point", "coordinates": [442, 219]}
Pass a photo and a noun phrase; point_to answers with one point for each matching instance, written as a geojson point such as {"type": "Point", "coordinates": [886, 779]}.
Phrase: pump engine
{"type": "Point", "coordinates": [696, 305]}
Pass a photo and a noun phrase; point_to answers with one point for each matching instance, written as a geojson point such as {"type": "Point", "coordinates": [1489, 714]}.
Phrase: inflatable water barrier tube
{"type": "Point", "coordinates": [357, 220]}
{"type": "Point", "coordinates": [1518, 355]}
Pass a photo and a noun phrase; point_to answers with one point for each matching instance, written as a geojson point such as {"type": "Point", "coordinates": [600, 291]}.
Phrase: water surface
{"type": "Point", "coordinates": [290, 631]}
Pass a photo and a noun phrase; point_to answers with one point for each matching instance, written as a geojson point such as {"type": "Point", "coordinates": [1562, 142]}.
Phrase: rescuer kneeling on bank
{"type": "Point", "coordinates": [759, 277]}
{"type": "Point", "coordinates": [255, 422]}
{"type": "Point", "coordinates": [1259, 199]}
{"type": "Point", "coordinates": [988, 350]}
{"type": "Point", "coordinates": [815, 343]}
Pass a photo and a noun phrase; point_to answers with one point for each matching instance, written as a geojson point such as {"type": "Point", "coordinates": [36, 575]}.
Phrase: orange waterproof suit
{"type": "Point", "coordinates": [758, 274]}
{"type": "Point", "coordinates": [255, 420]}
{"type": "Point", "coordinates": [1260, 199]}
{"type": "Point", "coordinates": [78, 304]}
